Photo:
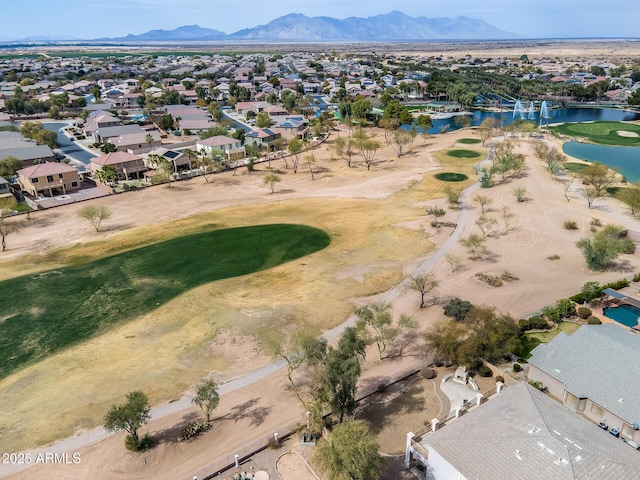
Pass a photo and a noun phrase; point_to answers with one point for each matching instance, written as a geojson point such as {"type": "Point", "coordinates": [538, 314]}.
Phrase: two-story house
{"type": "Point", "coordinates": [231, 147]}
{"type": "Point", "coordinates": [48, 179]}
{"type": "Point", "coordinates": [127, 165]}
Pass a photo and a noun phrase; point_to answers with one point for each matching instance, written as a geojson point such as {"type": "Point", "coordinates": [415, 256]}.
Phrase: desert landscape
{"type": "Point", "coordinates": [380, 234]}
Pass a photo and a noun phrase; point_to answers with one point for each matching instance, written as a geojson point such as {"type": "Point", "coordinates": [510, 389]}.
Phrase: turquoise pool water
{"type": "Point", "coordinates": [625, 159]}
{"type": "Point", "coordinates": [624, 314]}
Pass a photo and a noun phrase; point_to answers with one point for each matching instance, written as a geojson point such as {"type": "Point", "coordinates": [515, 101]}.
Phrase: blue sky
{"type": "Point", "coordinates": [86, 19]}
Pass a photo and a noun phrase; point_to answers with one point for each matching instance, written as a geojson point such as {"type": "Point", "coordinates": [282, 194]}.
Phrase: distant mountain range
{"type": "Point", "coordinates": [393, 26]}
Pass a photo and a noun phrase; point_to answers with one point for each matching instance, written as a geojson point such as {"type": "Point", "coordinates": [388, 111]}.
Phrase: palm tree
{"type": "Point", "coordinates": [162, 164]}
{"type": "Point", "coordinates": [149, 139]}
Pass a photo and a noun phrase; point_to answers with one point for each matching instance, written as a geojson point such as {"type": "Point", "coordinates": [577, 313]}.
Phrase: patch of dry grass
{"type": "Point", "coordinates": [164, 353]}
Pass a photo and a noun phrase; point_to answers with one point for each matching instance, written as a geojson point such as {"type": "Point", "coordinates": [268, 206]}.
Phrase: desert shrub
{"type": "Point", "coordinates": [570, 225]}
{"type": "Point", "coordinates": [485, 371]}
{"type": "Point", "coordinates": [517, 367]}
{"type": "Point", "coordinates": [552, 314]}
{"type": "Point", "coordinates": [524, 325]}
{"type": "Point", "coordinates": [584, 312]}
{"type": "Point", "coordinates": [141, 445]}
{"type": "Point", "coordinates": [508, 277]}
{"type": "Point", "coordinates": [565, 308]}
{"type": "Point", "coordinates": [435, 223]}
{"type": "Point", "coordinates": [536, 384]}
{"type": "Point", "coordinates": [595, 222]}
{"type": "Point", "coordinates": [593, 320]}
{"type": "Point", "coordinates": [382, 387]}
{"type": "Point", "coordinates": [192, 429]}
{"type": "Point", "coordinates": [499, 378]}
{"type": "Point", "coordinates": [553, 257]}
{"type": "Point", "coordinates": [636, 277]}
{"type": "Point", "coordinates": [428, 373]}
{"type": "Point", "coordinates": [616, 285]}
{"type": "Point", "coordinates": [489, 279]}
{"type": "Point", "coordinates": [457, 309]}
{"type": "Point", "coordinates": [538, 323]}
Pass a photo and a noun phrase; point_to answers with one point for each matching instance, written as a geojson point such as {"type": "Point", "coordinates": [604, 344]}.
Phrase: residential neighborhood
{"type": "Point", "coordinates": [411, 254]}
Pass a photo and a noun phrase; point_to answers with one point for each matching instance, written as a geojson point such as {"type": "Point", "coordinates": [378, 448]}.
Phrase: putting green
{"type": "Point", "coordinates": [45, 312]}
{"type": "Point", "coordinates": [605, 133]}
{"type": "Point", "coordinates": [451, 177]}
{"type": "Point", "coordinates": [469, 141]}
{"type": "Point", "coordinates": [462, 153]}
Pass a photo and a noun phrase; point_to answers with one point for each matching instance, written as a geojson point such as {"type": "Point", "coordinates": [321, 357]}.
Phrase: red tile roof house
{"type": "Point", "coordinates": [49, 179]}
{"type": "Point", "coordinates": [126, 164]}
{"type": "Point", "coordinates": [136, 143]}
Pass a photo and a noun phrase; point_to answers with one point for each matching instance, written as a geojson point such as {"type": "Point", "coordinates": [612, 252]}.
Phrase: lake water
{"type": "Point", "coordinates": [560, 115]}
{"type": "Point", "coordinates": [625, 159]}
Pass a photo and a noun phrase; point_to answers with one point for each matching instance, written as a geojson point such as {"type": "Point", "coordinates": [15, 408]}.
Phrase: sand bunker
{"type": "Point", "coordinates": [624, 133]}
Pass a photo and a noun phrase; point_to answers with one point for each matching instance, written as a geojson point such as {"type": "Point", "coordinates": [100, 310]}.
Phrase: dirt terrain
{"type": "Point", "coordinates": [383, 214]}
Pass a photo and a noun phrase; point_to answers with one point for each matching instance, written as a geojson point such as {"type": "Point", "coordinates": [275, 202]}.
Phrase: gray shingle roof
{"type": "Point", "coordinates": [596, 362]}
{"type": "Point", "coordinates": [523, 434]}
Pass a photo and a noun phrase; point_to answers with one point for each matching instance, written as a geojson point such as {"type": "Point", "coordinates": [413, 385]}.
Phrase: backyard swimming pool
{"type": "Point", "coordinates": [625, 314]}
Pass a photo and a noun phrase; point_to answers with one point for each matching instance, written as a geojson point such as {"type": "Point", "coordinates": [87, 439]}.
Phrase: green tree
{"type": "Point", "coordinates": [375, 323]}
{"type": "Point", "coordinates": [207, 398]}
{"type": "Point", "coordinates": [263, 120]}
{"type": "Point", "coordinates": [271, 179]}
{"type": "Point", "coordinates": [493, 334]}
{"type": "Point", "coordinates": [160, 163]}
{"type": "Point", "coordinates": [396, 111]}
{"type": "Point", "coordinates": [350, 453]}
{"type": "Point", "coordinates": [474, 243]}
{"type": "Point", "coordinates": [9, 166]}
{"type": "Point", "coordinates": [95, 214]}
{"type": "Point", "coordinates": [446, 339]}
{"type": "Point", "coordinates": [340, 376]}
{"type": "Point", "coordinates": [342, 148]}
{"type": "Point", "coordinates": [129, 416]}
{"type": "Point", "coordinates": [599, 177]}
{"type": "Point", "coordinates": [108, 147]}
{"type": "Point", "coordinates": [605, 246]}
{"type": "Point", "coordinates": [631, 196]}
{"type": "Point", "coordinates": [166, 122]}
{"type": "Point", "coordinates": [106, 175]}
{"type": "Point", "coordinates": [457, 309]}
{"type": "Point", "coordinates": [423, 283]}
{"type": "Point", "coordinates": [483, 201]}
{"type": "Point", "coordinates": [361, 108]}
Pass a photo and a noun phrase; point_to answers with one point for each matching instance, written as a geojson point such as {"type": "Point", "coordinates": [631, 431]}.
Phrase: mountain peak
{"type": "Point", "coordinates": [392, 26]}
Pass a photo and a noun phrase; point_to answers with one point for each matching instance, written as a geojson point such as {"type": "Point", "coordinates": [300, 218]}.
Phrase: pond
{"type": "Point", "coordinates": [561, 115]}
{"type": "Point", "coordinates": [625, 159]}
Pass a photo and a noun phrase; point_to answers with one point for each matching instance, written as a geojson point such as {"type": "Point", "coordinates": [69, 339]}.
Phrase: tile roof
{"type": "Point", "coordinates": [44, 169]}
{"type": "Point", "coordinates": [524, 434]}
{"type": "Point", "coordinates": [596, 362]}
{"type": "Point", "coordinates": [114, 158]}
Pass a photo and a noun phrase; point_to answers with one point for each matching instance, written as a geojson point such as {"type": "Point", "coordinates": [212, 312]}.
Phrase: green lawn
{"type": "Point", "coordinates": [451, 177]}
{"type": "Point", "coordinates": [604, 132]}
{"type": "Point", "coordinates": [43, 313]}
{"type": "Point", "coordinates": [462, 153]}
{"type": "Point", "coordinates": [529, 341]}
{"type": "Point", "coordinates": [469, 141]}
{"type": "Point", "coordinates": [575, 167]}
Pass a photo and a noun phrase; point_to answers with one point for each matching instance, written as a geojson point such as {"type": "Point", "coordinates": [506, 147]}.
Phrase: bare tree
{"type": "Point", "coordinates": [485, 224]}
{"type": "Point", "coordinates": [483, 202]}
{"type": "Point", "coordinates": [6, 206]}
{"type": "Point", "coordinates": [506, 218]}
{"type": "Point", "coordinates": [453, 262]}
{"type": "Point", "coordinates": [271, 179]}
{"type": "Point", "coordinates": [95, 214]}
{"type": "Point", "coordinates": [423, 283]}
